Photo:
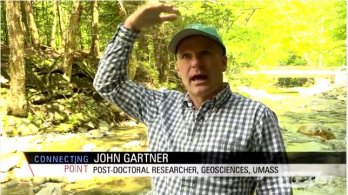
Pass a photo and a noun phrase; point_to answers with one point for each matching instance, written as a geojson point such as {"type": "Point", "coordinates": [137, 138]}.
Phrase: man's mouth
{"type": "Point", "coordinates": [199, 78]}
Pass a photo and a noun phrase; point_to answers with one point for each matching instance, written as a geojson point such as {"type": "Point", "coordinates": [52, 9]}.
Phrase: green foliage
{"type": "Point", "coordinates": [64, 128]}
{"type": "Point", "coordinates": [338, 29]}
{"type": "Point", "coordinates": [68, 114]}
{"type": "Point", "coordinates": [108, 21]}
{"type": "Point", "coordinates": [76, 119]}
{"type": "Point", "coordinates": [257, 34]}
{"type": "Point", "coordinates": [295, 82]}
{"type": "Point", "coordinates": [293, 60]}
{"type": "Point", "coordinates": [85, 26]}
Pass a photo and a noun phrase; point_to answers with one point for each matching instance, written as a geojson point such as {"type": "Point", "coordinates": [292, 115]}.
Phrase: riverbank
{"type": "Point", "coordinates": [293, 112]}
{"type": "Point", "coordinates": [295, 109]}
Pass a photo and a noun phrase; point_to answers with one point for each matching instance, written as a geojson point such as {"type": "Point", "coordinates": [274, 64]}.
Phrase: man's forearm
{"type": "Point", "coordinates": [112, 83]}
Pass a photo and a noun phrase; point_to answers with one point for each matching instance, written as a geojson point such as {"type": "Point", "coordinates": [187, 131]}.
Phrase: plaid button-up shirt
{"type": "Point", "coordinates": [227, 123]}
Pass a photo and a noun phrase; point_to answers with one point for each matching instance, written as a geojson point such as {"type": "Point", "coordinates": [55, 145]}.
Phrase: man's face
{"type": "Point", "coordinates": [200, 64]}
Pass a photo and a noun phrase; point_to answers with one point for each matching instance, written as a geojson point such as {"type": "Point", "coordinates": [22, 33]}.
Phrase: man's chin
{"type": "Point", "coordinates": [201, 91]}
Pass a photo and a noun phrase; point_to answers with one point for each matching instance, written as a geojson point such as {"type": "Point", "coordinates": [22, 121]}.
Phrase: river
{"type": "Point", "coordinates": [292, 108]}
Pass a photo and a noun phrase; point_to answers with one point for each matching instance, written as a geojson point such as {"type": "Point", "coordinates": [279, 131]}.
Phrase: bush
{"type": "Point", "coordinates": [295, 82]}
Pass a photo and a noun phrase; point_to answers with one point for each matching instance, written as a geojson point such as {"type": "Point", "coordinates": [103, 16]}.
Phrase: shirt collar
{"type": "Point", "coordinates": [215, 103]}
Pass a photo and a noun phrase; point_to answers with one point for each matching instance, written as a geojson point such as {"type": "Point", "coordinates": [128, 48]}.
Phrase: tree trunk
{"type": "Point", "coordinates": [121, 8]}
{"type": "Point", "coordinates": [61, 24]}
{"type": "Point", "coordinates": [3, 24]}
{"type": "Point", "coordinates": [70, 42]}
{"type": "Point", "coordinates": [27, 36]}
{"type": "Point", "coordinates": [95, 38]}
{"type": "Point", "coordinates": [54, 25]}
{"type": "Point", "coordinates": [309, 61]}
{"type": "Point", "coordinates": [47, 22]}
{"type": "Point", "coordinates": [34, 33]}
{"type": "Point", "coordinates": [17, 103]}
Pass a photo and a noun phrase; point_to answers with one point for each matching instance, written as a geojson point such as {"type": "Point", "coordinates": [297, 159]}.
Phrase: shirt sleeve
{"type": "Point", "coordinates": [111, 80]}
{"type": "Point", "coordinates": [270, 140]}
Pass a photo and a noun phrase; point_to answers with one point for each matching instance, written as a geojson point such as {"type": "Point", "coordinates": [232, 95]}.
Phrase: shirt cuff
{"type": "Point", "coordinates": [125, 34]}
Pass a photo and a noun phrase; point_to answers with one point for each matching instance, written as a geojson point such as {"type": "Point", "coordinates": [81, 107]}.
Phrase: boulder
{"type": "Point", "coordinates": [104, 126]}
{"type": "Point", "coordinates": [4, 177]}
{"type": "Point", "coordinates": [96, 133]}
{"type": "Point", "coordinates": [38, 180]}
{"type": "Point", "coordinates": [323, 132]}
{"type": "Point", "coordinates": [9, 163]}
{"type": "Point", "coordinates": [88, 147]}
{"type": "Point", "coordinates": [50, 189]}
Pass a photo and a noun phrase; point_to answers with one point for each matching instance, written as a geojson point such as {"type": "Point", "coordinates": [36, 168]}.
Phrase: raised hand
{"type": "Point", "coordinates": [149, 15]}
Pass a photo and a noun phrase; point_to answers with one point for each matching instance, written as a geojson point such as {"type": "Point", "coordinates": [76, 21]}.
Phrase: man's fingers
{"type": "Point", "coordinates": [169, 13]}
{"type": "Point", "coordinates": [168, 17]}
{"type": "Point", "coordinates": [163, 8]}
{"type": "Point", "coordinates": [151, 14]}
{"type": "Point", "coordinates": [169, 9]}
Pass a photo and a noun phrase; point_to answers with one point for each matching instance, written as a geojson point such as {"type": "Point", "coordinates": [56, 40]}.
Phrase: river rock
{"type": "Point", "coordinates": [104, 126]}
{"type": "Point", "coordinates": [39, 99]}
{"type": "Point", "coordinates": [23, 173]}
{"type": "Point", "coordinates": [64, 127]}
{"type": "Point", "coordinates": [28, 129]}
{"type": "Point", "coordinates": [90, 125]}
{"type": "Point", "coordinates": [317, 130]}
{"type": "Point", "coordinates": [301, 179]}
{"type": "Point", "coordinates": [57, 179]}
{"type": "Point", "coordinates": [82, 129]}
{"type": "Point", "coordinates": [50, 189]}
{"type": "Point", "coordinates": [88, 147]}
{"type": "Point", "coordinates": [9, 163]}
{"type": "Point", "coordinates": [16, 187]}
{"type": "Point", "coordinates": [4, 177]}
{"type": "Point", "coordinates": [58, 117]}
{"type": "Point", "coordinates": [128, 124]}
{"type": "Point", "coordinates": [7, 142]}
{"type": "Point", "coordinates": [24, 143]}
{"type": "Point", "coordinates": [132, 144]}
{"type": "Point", "coordinates": [61, 107]}
{"type": "Point", "coordinates": [39, 180]}
{"type": "Point", "coordinates": [96, 133]}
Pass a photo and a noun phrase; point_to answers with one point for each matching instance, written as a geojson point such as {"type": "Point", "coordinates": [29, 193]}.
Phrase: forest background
{"type": "Point", "coordinates": [50, 51]}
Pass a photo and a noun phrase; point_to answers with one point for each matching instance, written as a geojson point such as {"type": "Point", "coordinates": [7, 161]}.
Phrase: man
{"type": "Point", "coordinates": [208, 118]}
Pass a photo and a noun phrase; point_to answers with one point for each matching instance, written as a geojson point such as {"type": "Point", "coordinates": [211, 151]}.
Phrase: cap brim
{"type": "Point", "coordinates": [187, 33]}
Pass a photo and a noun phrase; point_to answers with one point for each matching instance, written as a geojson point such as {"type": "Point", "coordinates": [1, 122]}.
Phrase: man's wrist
{"type": "Point", "coordinates": [126, 34]}
{"type": "Point", "coordinates": [131, 26]}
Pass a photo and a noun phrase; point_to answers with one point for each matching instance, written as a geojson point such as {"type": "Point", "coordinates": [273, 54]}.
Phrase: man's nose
{"type": "Point", "coordinates": [196, 62]}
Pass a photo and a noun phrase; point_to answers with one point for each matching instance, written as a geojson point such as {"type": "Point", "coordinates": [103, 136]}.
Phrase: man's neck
{"type": "Point", "coordinates": [198, 101]}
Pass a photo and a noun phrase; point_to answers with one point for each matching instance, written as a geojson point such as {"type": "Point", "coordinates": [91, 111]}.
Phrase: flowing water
{"type": "Point", "coordinates": [293, 111]}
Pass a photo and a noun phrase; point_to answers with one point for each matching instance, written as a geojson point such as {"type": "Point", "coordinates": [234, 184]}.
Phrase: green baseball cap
{"type": "Point", "coordinates": [195, 29]}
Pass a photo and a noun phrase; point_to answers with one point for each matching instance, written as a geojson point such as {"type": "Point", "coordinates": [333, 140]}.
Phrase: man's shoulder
{"type": "Point", "coordinates": [170, 100]}
{"type": "Point", "coordinates": [238, 99]}
{"type": "Point", "coordinates": [169, 94]}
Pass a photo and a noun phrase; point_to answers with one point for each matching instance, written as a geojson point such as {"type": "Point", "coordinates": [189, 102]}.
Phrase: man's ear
{"type": "Point", "coordinates": [224, 63]}
{"type": "Point", "coordinates": [177, 69]}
